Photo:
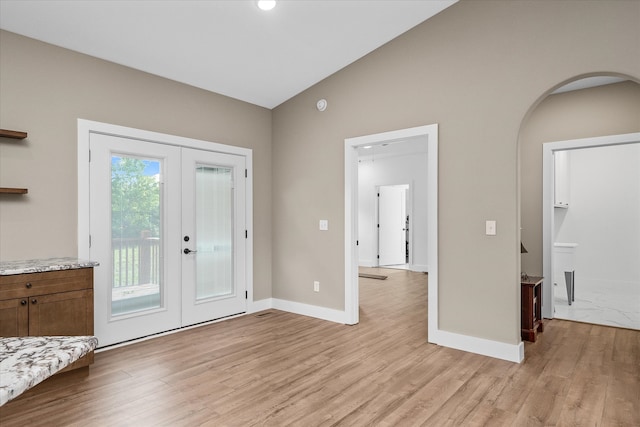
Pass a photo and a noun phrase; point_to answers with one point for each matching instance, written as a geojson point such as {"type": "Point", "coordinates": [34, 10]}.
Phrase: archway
{"type": "Point", "coordinates": [589, 120]}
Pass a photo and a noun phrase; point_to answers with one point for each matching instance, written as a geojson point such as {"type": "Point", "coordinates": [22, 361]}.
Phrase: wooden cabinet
{"type": "Point", "coordinates": [14, 318]}
{"type": "Point", "coordinates": [531, 308]}
{"type": "Point", "coordinates": [49, 303]}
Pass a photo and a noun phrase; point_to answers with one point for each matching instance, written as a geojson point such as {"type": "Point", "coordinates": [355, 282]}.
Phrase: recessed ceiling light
{"type": "Point", "coordinates": [266, 4]}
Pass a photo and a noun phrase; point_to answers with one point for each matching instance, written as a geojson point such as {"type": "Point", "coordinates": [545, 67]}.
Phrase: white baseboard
{"type": "Point", "coordinates": [263, 304]}
{"type": "Point", "coordinates": [499, 350]}
{"type": "Point", "coordinates": [366, 263]}
{"type": "Point", "coordinates": [419, 267]}
{"type": "Point", "coordinates": [318, 312]}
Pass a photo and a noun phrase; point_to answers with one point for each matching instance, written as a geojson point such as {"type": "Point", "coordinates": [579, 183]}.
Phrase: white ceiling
{"type": "Point", "coordinates": [588, 82]}
{"type": "Point", "coordinates": [228, 47]}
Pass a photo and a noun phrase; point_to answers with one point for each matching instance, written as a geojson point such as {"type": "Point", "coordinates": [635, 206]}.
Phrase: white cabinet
{"type": "Point", "coordinates": [561, 179]}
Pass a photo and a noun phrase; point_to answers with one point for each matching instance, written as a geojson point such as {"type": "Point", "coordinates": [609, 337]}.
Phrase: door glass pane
{"type": "Point", "coordinates": [136, 234]}
{"type": "Point", "coordinates": [214, 231]}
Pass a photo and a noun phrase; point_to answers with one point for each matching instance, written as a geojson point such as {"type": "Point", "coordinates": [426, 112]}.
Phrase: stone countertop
{"type": "Point", "coordinates": [27, 361]}
{"type": "Point", "coordinates": [8, 268]}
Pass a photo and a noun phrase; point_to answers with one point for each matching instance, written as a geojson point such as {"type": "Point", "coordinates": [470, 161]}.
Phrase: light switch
{"type": "Point", "coordinates": [491, 228]}
{"type": "Point", "coordinates": [324, 224]}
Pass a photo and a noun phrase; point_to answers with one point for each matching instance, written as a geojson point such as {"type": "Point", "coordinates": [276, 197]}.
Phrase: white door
{"type": "Point", "coordinates": [391, 225]}
{"type": "Point", "coordinates": [213, 228]}
{"type": "Point", "coordinates": [145, 198]}
{"type": "Point", "coordinates": [135, 236]}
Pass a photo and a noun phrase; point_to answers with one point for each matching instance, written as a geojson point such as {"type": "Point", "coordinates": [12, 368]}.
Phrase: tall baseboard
{"type": "Point", "coordinates": [323, 313]}
{"type": "Point", "coordinates": [497, 349]}
{"type": "Point", "coordinates": [263, 304]}
{"type": "Point", "coordinates": [366, 263]}
{"type": "Point", "coordinates": [419, 267]}
{"type": "Point", "coordinates": [318, 312]}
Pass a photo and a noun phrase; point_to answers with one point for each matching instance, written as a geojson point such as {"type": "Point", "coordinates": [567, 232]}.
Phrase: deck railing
{"type": "Point", "coordinates": [136, 261]}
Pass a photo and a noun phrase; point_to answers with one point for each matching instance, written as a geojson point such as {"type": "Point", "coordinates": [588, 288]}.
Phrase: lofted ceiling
{"type": "Point", "coordinates": [228, 47]}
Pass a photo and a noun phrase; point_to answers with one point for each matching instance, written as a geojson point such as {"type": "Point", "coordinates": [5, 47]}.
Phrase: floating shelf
{"type": "Point", "coordinates": [4, 190]}
{"type": "Point", "coordinates": [13, 134]}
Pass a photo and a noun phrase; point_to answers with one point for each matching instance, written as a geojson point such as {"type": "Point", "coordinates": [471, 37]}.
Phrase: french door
{"type": "Point", "coordinates": [213, 218]}
{"type": "Point", "coordinates": [167, 226]}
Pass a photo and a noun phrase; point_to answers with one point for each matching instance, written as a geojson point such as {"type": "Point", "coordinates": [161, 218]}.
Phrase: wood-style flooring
{"type": "Point", "coordinates": [275, 369]}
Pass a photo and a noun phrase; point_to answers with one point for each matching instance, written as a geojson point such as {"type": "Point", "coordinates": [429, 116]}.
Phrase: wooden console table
{"type": "Point", "coordinates": [531, 310]}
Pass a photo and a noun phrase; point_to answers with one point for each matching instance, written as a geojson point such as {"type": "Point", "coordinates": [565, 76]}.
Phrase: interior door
{"type": "Point", "coordinates": [135, 236]}
{"type": "Point", "coordinates": [213, 235]}
{"type": "Point", "coordinates": [391, 225]}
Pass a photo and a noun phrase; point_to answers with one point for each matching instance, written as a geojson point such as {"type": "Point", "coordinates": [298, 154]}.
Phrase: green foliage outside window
{"type": "Point", "coordinates": [135, 200]}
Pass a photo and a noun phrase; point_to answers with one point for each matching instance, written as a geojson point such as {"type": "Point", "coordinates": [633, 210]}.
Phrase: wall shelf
{"type": "Point", "coordinates": [13, 134]}
{"type": "Point", "coordinates": [5, 190]}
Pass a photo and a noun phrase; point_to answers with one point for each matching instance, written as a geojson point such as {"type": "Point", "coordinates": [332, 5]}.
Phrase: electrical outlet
{"type": "Point", "coordinates": [490, 227]}
{"type": "Point", "coordinates": [316, 286]}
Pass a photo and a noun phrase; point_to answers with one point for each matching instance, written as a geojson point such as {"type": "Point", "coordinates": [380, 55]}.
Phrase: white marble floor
{"type": "Point", "coordinates": [616, 304]}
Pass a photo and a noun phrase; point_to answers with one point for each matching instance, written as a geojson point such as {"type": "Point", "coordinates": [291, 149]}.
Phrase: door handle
{"type": "Point", "coordinates": [188, 251]}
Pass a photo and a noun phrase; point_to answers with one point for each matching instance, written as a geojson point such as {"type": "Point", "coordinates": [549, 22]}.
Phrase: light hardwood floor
{"type": "Point", "coordinates": [276, 368]}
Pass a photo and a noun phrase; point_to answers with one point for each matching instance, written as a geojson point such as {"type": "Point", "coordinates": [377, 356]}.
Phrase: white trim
{"type": "Point", "coordinates": [419, 267]}
{"type": "Point", "coordinates": [318, 312]}
{"type": "Point", "coordinates": [497, 349]}
{"type": "Point", "coordinates": [261, 305]}
{"type": "Point", "coordinates": [367, 263]}
{"type": "Point", "coordinates": [162, 334]}
{"type": "Point", "coordinates": [84, 128]}
{"type": "Point", "coordinates": [548, 149]}
{"type": "Point", "coordinates": [351, 298]}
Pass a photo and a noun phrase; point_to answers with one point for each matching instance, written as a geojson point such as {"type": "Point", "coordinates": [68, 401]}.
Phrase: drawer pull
{"type": "Point", "coordinates": [29, 285]}
{"type": "Point", "coordinates": [23, 302]}
{"type": "Point", "coordinates": [34, 301]}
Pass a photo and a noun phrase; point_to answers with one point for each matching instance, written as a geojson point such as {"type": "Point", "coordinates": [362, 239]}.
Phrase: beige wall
{"type": "Point", "coordinates": [476, 69]}
{"type": "Point", "coordinates": [45, 89]}
{"type": "Point", "coordinates": [604, 110]}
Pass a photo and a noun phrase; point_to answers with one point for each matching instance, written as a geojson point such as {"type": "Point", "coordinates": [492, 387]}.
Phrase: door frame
{"type": "Point", "coordinates": [87, 127]}
{"type": "Point", "coordinates": [351, 298]}
{"type": "Point", "coordinates": [548, 184]}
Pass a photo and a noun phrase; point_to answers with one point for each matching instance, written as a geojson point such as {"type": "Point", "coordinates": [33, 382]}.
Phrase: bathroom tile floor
{"type": "Point", "coordinates": [611, 305]}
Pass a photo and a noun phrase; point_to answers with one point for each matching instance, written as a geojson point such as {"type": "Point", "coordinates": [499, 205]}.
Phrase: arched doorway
{"type": "Point", "coordinates": [587, 111]}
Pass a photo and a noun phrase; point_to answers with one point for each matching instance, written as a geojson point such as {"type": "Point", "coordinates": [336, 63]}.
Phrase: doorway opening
{"type": "Point", "coordinates": [353, 239]}
{"type": "Point", "coordinates": [592, 236]}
